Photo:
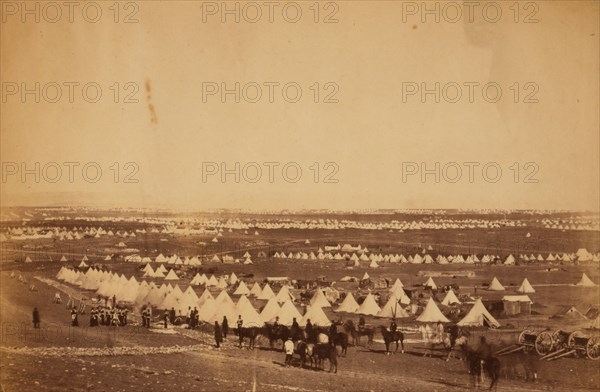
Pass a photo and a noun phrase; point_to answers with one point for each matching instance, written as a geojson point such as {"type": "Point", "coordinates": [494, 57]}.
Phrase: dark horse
{"type": "Point", "coordinates": [477, 367]}
{"type": "Point", "coordinates": [350, 328]}
{"type": "Point", "coordinates": [318, 353]}
{"type": "Point", "coordinates": [280, 332]}
{"type": "Point", "coordinates": [389, 337]}
{"type": "Point", "coordinates": [340, 339]}
{"type": "Point", "coordinates": [251, 333]}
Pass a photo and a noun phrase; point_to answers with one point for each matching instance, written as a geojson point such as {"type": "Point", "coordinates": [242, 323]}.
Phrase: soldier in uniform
{"type": "Point", "coordinates": [74, 320]}
{"type": "Point", "coordinates": [218, 335]}
{"type": "Point", "coordinates": [309, 329]}
{"type": "Point", "coordinates": [36, 318]}
{"type": "Point", "coordinates": [196, 317]}
{"type": "Point", "coordinates": [93, 317]}
{"type": "Point", "coordinates": [225, 327]}
{"type": "Point", "coordinates": [240, 324]}
{"type": "Point", "coordinates": [361, 323]}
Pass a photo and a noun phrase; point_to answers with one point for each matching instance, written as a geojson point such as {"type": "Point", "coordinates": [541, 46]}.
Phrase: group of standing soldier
{"type": "Point", "coordinates": [103, 315]}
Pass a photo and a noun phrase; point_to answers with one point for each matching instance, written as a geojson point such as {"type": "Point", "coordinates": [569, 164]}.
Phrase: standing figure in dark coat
{"type": "Point", "coordinates": [36, 318]}
{"type": "Point", "coordinates": [166, 318]}
{"type": "Point", "coordinates": [74, 320]}
{"type": "Point", "coordinates": [225, 325]}
{"type": "Point", "coordinates": [218, 335]}
{"type": "Point", "coordinates": [309, 331]}
{"type": "Point", "coordinates": [172, 315]}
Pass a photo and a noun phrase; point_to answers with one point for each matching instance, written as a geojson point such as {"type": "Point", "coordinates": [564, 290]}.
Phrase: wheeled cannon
{"type": "Point", "coordinates": [578, 344]}
{"type": "Point", "coordinates": [541, 341]}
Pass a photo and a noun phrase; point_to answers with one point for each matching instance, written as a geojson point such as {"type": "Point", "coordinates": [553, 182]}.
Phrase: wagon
{"type": "Point", "coordinates": [578, 344]}
{"type": "Point", "coordinates": [542, 341]}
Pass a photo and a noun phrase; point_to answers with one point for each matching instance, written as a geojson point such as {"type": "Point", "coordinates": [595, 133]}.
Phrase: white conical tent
{"type": "Point", "coordinates": [495, 285]}
{"type": "Point", "coordinates": [143, 292]}
{"type": "Point", "coordinates": [478, 316]}
{"type": "Point", "coordinates": [284, 295]}
{"type": "Point", "coordinates": [596, 323]}
{"type": "Point", "coordinates": [526, 287]}
{"type": "Point", "coordinates": [224, 298]}
{"type": "Point", "coordinates": [373, 264]}
{"type": "Point", "coordinates": [241, 303]}
{"type": "Point", "coordinates": [397, 284]}
{"type": "Point", "coordinates": [399, 293]}
{"type": "Point", "coordinates": [233, 278]}
{"type": "Point", "coordinates": [432, 314]}
{"type": "Point", "coordinates": [585, 281]}
{"type": "Point", "coordinates": [450, 298]}
{"type": "Point", "coordinates": [256, 290]}
{"type": "Point", "coordinates": [287, 313]}
{"type": "Point", "coordinates": [270, 310]}
{"type": "Point", "coordinates": [242, 289]}
{"type": "Point", "coordinates": [369, 306]}
{"type": "Point", "coordinates": [365, 276]}
{"type": "Point", "coordinates": [148, 272]}
{"type": "Point", "coordinates": [207, 309]}
{"type": "Point", "coordinates": [250, 317]}
{"type": "Point", "coordinates": [212, 281]}
{"type": "Point", "coordinates": [206, 296]}
{"type": "Point", "coordinates": [197, 280]}
{"type": "Point", "coordinates": [348, 305]}
{"type": "Point", "coordinates": [392, 309]}
{"type": "Point", "coordinates": [224, 307]}
{"type": "Point", "coordinates": [222, 284]}
{"type": "Point", "coordinates": [317, 317]}
{"type": "Point", "coordinates": [171, 276]}
{"type": "Point", "coordinates": [267, 293]}
{"type": "Point", "coordinates": [430, 283]}
{"type": "Point", "coordinates": [318, 299]}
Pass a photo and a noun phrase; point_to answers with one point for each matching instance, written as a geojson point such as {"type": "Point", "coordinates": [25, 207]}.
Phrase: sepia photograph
{"type": "Point", "coordinates": [299, 196]}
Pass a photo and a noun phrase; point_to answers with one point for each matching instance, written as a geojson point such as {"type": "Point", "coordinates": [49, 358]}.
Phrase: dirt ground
{"type": "Point", "coordinates": [61, 358]}
{"type": "Point", "coordinates": [29, 362]}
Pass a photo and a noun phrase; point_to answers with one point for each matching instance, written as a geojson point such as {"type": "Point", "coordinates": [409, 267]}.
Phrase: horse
{"type": "Point", "coordinates": [461, 343]}
{"type": "Point", "coordinates": [320, 352]}
{"type": "Point", "coordinates": [248, 332]}
{"type": "Point", "coordinates": [340, 339]}
{"type": "Point", "coordinates": [281, 332]}
{"type": "Point", "coordinates": [477, 367]}
{"type": "Point", "coordinates": [356, 334]}
{"type": "Point", "coordinates": [302, 350]}
{"type": "Point", "coordinates": [443, 341]}
{"type": "Point", "coordinates": [389, 337]}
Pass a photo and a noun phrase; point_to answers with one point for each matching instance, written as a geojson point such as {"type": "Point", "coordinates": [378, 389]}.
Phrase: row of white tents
{"type": "Point", "coordinates": [581, 255]}
{"type": "Point", "coordinates": [213, 309]}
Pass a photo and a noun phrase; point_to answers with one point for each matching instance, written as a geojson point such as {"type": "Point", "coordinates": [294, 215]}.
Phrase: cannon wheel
{"type": "Point", "coordinates": [593, 348]}
{"type": "Point", "coordinates": [544, 343]}
{"type": "Point", "coordinates": [571, 340]}
{"type": "Point", "coordinates": [521, 339]}
{"type": "Point", "coordinates": [559, 341]}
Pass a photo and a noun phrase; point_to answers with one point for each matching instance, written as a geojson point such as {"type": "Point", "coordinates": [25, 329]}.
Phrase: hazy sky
{"type": "Point", "coordinates": [375, 137]}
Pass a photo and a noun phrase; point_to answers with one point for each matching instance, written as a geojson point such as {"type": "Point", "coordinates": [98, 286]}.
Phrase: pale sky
{"type": "Point", "coordinates": [371, 134]}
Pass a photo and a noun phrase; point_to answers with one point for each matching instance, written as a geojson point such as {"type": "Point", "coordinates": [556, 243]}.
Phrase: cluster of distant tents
{"type": "Point", "coordinates": [280, 305]}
